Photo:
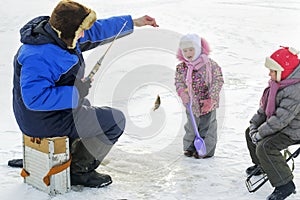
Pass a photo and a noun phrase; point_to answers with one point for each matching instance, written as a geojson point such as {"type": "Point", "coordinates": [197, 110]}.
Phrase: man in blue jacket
{"type": "Point", "coordinates": [49, 91]}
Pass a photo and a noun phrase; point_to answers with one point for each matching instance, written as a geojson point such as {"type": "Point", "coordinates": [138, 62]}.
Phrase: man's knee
{"type": "Point", "coordinates": [119, 118]}
{"type": "Point", "coordinates": [117, 130]}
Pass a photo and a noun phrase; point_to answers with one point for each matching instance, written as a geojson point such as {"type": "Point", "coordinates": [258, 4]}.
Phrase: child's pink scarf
{"type": "Point", "coordinates": [267, 101]}
{"type": "Point", "coordinates": [201, 61]}
{"type": "Point", "coordinates": [196, 65]}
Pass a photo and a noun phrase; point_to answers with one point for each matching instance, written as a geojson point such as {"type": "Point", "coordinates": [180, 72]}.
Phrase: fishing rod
{"type": "Point", "coordinates": [99, 62]}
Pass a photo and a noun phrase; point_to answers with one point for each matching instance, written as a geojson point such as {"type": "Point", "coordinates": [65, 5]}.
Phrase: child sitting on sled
{"type": "Point", "coordinates": [199, 79]}
{"type": "Point", "coordinates": [276, 125]}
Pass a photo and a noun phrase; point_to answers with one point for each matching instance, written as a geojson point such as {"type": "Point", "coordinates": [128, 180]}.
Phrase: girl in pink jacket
{"type": "Point", "coordinates": [200, 78]}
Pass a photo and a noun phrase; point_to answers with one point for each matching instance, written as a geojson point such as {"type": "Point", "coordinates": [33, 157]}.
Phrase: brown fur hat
{"type": "Point", "coordinates": [69, 19]}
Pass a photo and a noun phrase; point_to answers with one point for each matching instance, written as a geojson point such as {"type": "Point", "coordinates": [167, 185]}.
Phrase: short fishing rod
{"type": "Point", "coordinates": [98, 64]}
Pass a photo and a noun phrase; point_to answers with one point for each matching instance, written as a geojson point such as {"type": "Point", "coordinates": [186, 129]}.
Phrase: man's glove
{"type": "Point", "coordinates": [83, 87]}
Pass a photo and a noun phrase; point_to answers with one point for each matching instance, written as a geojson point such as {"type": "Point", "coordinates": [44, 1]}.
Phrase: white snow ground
{"type": "Point", "coordinates": [147, 162]}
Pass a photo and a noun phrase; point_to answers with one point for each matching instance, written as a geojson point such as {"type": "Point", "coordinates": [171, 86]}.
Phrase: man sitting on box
{"type": "Point", "coordinates": [49, 88]}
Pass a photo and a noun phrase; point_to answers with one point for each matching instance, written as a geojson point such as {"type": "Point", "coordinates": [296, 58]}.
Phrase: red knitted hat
{"type": "Point", "coordinates": [283, 61]}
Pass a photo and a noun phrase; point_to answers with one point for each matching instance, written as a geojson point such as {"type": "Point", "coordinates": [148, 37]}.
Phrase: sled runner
{"type": "Point", "coordinates": [253, 183]}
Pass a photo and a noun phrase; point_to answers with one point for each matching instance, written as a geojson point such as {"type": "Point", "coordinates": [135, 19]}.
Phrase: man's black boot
{"type": "Point", "coordinates": [91, 179]}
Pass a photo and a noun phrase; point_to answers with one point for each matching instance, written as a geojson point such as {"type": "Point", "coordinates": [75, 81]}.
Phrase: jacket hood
{"type": "Point", "coordinates": [38, 31]}
{"type": "Point", "coordinates": [295, 73]}
{"type": "Point", "coordinates": [31, 32]}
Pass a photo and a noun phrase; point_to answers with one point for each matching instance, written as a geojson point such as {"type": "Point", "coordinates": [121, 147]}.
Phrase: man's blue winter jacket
{"type": "Point", "coordinates": [44, 96]}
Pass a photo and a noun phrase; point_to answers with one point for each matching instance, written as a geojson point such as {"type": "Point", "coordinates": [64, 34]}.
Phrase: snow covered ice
{"type": "Point", "coordinates": [147, 162]}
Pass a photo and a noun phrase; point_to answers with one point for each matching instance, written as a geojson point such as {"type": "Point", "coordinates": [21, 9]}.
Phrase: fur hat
{"type": "Point", "coordinates": [69, 19]}
{"type": "Point", "coordinates": [283, 61]}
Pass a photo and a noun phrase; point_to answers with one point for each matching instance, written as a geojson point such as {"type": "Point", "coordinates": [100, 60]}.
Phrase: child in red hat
{"type": "Point", "coordinates": [276, 125]}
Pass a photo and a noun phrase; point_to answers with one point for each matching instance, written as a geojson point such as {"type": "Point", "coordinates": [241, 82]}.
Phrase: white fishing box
{"type": "Point", "coordinates": [46, 164]}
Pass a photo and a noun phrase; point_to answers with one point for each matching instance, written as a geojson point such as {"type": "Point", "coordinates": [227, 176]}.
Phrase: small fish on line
{"type": "Point", "coordinates": [157, 103]}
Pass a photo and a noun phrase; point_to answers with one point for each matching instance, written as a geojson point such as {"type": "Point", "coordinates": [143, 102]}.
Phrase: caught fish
{"type": "Point", "coordinates": [157, 103]}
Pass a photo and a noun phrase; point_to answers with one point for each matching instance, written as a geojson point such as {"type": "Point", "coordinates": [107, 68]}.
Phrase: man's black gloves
{"type": "Point", "coordinates": [83, 87]}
